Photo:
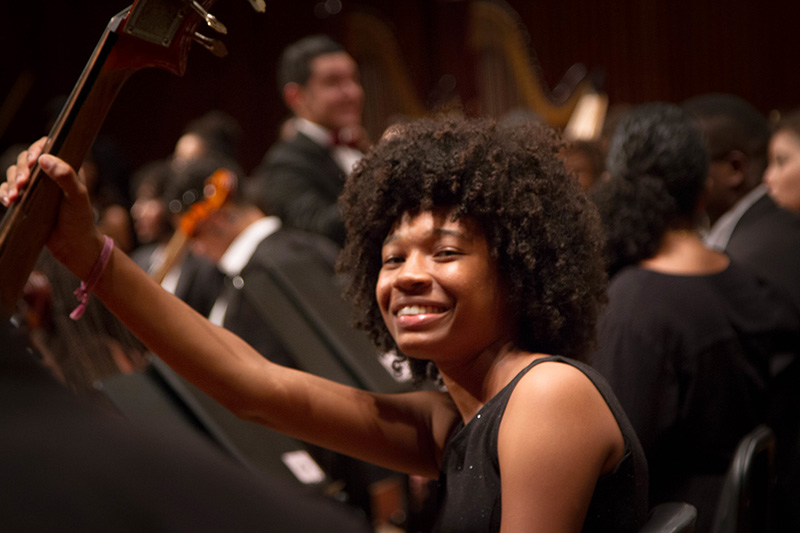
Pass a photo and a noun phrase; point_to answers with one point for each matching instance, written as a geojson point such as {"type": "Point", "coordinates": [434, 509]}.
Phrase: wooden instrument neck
{"type": "Point", "coordinates": [27, 224]}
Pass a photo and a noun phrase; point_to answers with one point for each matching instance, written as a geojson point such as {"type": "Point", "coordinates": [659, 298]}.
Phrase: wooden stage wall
{"type": "Point", "coordinates": [638, 51]}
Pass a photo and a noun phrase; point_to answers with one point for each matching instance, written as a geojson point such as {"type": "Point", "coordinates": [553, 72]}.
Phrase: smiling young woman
{"type": "Point", "coordinates": [473, 252]}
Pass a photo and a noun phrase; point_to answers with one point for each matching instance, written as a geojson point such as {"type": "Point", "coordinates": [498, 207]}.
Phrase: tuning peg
{"type": "Point", "coordinates": [214, 46]}
{"type": "Point", "coordinates": [258, 5]}
{"type": "Point", "coordinates": [210, 19]}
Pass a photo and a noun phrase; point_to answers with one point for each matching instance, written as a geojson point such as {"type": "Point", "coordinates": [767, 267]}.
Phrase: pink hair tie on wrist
{"type": "Point", "coordinates": [82, 292]}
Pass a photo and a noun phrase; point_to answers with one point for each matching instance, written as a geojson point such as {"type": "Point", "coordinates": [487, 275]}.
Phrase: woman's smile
{"type": "Point", "coordinates": [411, 316]}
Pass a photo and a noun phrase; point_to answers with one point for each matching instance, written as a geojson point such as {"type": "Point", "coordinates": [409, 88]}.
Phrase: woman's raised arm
{"type": "Point", "coordinates": [405, 432]}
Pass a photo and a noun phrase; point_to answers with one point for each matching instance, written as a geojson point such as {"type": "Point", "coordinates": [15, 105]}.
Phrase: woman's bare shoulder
{"type": "Point", "coordinates": [557, 401]}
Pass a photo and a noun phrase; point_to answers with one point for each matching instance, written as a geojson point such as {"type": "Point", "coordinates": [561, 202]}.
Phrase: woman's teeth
{"type": "Point", "coordinates": [411, 310]}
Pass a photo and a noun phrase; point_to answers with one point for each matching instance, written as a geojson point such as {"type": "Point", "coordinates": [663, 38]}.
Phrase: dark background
{"type": "Point", "coordinates": [642, 50]}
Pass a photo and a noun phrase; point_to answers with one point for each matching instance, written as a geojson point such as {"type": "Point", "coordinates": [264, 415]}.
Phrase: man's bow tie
{"type": "Point", "coordinates": [343, 138]}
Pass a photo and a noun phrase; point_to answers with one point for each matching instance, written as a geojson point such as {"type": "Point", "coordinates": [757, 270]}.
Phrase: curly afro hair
{"type": "Point", "coordinates": [540, 227]}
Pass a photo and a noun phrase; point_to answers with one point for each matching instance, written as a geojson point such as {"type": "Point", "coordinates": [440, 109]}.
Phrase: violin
{"type": "Point", "coordinates": [216, 191]}
{"type": "Point", "coordinates": [149, 33]}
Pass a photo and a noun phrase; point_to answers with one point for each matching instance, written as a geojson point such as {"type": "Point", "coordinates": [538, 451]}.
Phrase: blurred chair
{"type": "Point", "coordinates": [746, 499]}
{"type": "Point", "coordinates": [671, 517]}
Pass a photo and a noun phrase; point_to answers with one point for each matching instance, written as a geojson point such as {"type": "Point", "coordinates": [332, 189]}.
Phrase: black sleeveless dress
{"type": "Point", "coordinates": [469, 483]}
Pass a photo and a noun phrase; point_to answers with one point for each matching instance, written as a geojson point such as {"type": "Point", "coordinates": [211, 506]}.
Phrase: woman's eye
{"type": "Point", "coordinates": [448, 253]}
{"type": "Point", "coordinates": [392, 260]}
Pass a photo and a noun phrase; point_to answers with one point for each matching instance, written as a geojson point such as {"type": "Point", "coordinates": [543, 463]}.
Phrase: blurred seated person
{"type": "Point", "coordinates": [241, 239]}
{"type": "Point", "coordinates": [737, 135]}
{"type": "Point", "coordinates": [747, 222]}
{"type": "Point", "coordinates": [779, 248]}
{"type": "Point", "coordinates": [688, 332]}
{"type": "Point", "coordinates": [151, 222]}
{"type": "Point", "coordinates": [582, 158]}
{"type": "Point", "coordinates": [247, 244]}
{"type": "Point", "coordinates": [193, 279]}
{"type": "Point", "coordinates": [585, 160]}
{"type": "Point", "coordinates": [213, 133]}
{"type": "Point", "coordinates": [304, 172]}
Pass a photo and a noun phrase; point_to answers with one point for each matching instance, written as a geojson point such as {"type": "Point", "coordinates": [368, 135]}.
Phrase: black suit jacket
{"type": "Point", "coordinates": [247, 298]}
{"type": "Point", "coordinates": [302, 185]}
{"type": "Point", "coordinates": [767, 240]}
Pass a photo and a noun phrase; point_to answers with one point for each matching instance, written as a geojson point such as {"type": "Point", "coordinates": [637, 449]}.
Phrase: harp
{"type": "Point", "coordinates": [507, 74]}
{"type": "Point", "coordinates": [391, 96]}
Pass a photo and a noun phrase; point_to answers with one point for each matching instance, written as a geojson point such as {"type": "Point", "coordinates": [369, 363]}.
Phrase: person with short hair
{"type": "Point", "coordinates": [305, 170]}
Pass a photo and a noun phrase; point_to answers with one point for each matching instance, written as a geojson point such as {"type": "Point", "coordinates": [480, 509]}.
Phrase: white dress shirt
{"type": "Point", "coordinates": [237, 256]}
{"type": "Point", "coordinates": [720, 233]}
{"type": "Point", "coordinates": [344, 156]}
